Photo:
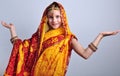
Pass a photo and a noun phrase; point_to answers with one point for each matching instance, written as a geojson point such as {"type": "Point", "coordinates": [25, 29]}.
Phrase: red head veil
{"type": "Point", "coordinates": [43, 27]}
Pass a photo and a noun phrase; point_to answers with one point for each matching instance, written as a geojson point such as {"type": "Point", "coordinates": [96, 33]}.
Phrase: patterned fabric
{"type": "Point", "coordinates": [46, 53]}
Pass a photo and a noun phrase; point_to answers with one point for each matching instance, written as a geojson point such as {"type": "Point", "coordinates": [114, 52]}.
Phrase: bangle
{"type": "Point", "coordinates": [92, 47]}
{"type": "Point", "coordinates": [13, 39]}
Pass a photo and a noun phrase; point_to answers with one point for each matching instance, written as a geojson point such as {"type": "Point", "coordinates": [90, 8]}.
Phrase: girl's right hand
{"type": "Point", "coordinates": [9, 26]}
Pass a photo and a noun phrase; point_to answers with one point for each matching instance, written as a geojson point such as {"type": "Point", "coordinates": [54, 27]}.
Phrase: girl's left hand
{"type": "Point", "coordinates": [109, 33]}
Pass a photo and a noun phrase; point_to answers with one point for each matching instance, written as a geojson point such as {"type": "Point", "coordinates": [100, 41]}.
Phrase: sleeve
{"type": "Point", "coordinates": [10, 70]}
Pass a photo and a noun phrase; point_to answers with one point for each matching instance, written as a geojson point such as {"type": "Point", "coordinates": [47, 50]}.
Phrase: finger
{"type": "Point", "coordinates": [3, 23]}
{"type": "Point", "coordinates": [11, 24]}
{"type": "Point", "coordinates": [118, 30]}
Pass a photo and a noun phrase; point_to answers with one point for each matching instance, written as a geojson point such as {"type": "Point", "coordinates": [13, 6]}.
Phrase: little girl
{"type": "Point", "coordinates": [48, 51]}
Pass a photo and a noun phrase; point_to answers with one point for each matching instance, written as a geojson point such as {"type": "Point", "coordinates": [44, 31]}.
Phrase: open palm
{"type": "Point", "coordinates": [110, 33]}
{"type": "Point", "coordinates": [9, 26]}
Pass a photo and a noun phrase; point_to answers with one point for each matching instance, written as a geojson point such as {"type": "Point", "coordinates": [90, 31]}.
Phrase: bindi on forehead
{"type": "Point", "coordinates": [54, 12]}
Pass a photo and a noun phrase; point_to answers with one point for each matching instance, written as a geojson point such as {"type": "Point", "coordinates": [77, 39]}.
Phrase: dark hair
{"type": "Point", "coordinates": [53, 6]}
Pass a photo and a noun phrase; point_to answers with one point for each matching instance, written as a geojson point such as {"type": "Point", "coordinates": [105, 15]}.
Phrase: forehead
{"type": "Point", "coordinates": [54, 12]}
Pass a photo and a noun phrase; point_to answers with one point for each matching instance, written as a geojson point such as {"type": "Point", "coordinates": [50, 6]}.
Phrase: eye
{"type": "Point", "coordinates": [57, 16]}
{"type": "Point", "coordinates": [51, 17]}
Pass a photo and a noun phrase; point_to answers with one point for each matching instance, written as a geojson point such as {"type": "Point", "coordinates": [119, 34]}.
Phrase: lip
{"type": "Point", "coordinates": [55, 24]}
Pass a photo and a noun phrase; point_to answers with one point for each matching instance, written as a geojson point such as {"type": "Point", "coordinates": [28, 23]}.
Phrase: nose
{"type": "Point", "coordinates": [54, 19]}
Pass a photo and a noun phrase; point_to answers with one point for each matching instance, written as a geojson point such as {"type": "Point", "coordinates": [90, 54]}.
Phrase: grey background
{"type": "Point", "coordinates": [86, 19]}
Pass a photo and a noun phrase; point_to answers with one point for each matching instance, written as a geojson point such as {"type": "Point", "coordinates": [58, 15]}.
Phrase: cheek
{"type": "Point", "coordinates": [59, 20]}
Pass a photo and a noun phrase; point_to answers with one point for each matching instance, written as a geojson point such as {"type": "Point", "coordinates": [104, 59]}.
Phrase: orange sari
{"type": "Point", "coordinates": [46, 53]}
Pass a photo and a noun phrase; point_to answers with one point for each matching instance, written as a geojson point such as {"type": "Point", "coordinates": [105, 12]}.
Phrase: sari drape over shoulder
{"type": "Point", "coordinates": [46, 53]}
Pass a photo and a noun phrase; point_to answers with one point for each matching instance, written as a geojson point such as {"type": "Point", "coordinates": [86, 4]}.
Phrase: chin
{"type": "Point", "coordinates": [55, 27]}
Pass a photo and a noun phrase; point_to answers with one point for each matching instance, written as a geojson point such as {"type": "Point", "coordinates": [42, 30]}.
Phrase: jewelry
{"type": "Point", "coordinates": [92, 47]}
{"type": "Point", "coordinates": [13, 39]}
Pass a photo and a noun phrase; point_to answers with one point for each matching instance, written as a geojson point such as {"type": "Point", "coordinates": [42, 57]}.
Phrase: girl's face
{"type": "Point", "coordinates": [54, 19]}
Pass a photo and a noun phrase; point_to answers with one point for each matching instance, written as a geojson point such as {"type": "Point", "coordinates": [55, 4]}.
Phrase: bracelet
{"type": "Point", "coordinates": [13, 39]}
{"type": "Point", "coordinates": [92, 47]}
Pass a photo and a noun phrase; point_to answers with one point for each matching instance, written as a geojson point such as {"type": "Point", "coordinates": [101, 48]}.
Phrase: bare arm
{"type": "Point", "coordinates": [86, 53]}
{"type": "Point", "coordinates": [11, 28]}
